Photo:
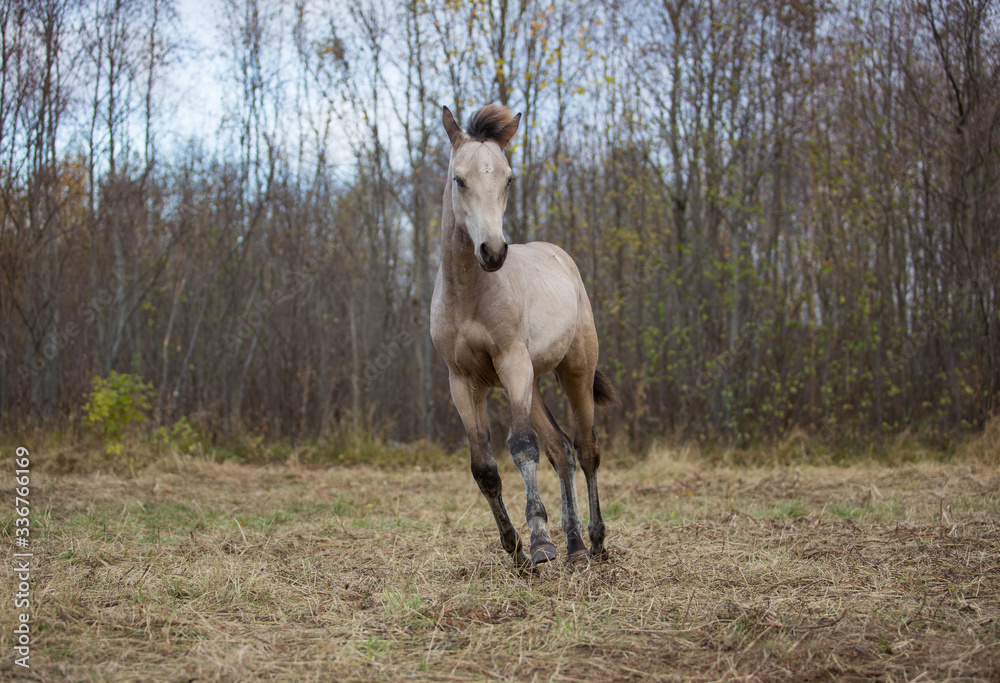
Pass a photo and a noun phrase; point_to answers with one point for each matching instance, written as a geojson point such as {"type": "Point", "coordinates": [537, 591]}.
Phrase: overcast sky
{"type": "Point", "coordinates": [195, 92]}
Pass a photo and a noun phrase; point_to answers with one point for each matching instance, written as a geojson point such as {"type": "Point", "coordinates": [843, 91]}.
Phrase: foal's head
{"type": "Point", "coordinates": [481, 179]}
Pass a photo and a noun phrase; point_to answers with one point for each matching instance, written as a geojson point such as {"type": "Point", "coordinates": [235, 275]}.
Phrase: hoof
{"type": "Point", "coordinates": [579, 557]}
{"type": "Point", "coordinates": [521, 561]}
{"type": "Point", "coordinates": [574, 547]}
{"type": "Point", "coordinates": [542, 554]}
{"type": "Point", "coordinates": [600, 554]}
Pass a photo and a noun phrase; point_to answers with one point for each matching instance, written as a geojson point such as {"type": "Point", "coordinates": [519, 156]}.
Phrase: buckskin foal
{"type": "Point", "coordinates": [504, 315]}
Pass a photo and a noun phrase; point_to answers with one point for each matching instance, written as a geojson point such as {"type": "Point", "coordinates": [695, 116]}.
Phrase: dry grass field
{"type": "Point", "coordinates": [192, 570]}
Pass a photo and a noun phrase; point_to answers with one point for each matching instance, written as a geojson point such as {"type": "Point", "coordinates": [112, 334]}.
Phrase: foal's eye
{"type": "Point", "coordinates": [459, 182]}
{"type": "Point", "coordinates": [510, 180]}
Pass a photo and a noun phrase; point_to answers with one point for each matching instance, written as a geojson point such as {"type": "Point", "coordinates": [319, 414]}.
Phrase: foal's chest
{"type": "Point", "coordinates": [467, 348]}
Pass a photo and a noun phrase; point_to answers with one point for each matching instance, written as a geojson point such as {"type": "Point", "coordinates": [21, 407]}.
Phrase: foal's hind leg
{"type": "Point", "coordinates": [560, 453]}
{"type": "Point", "coordinates": [579, 388]}
{"type": "Point", "coordinates": [470, 400]}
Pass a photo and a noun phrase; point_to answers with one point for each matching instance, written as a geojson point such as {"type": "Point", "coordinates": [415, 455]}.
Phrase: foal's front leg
{"type": "Point", "coordinates": [518, 378]}
{"type": "Point", "coordinates": [470, 400]}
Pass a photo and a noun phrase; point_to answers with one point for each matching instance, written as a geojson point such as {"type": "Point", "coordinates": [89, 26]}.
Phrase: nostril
{"type": "Point", "coordinates": [503, 254]}
{"type": "Point", "coordinates": [482, 252]}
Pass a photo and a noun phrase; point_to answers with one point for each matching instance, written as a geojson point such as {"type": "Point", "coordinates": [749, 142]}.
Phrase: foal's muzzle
{"type": "Point", "coordinates": [490, 260]}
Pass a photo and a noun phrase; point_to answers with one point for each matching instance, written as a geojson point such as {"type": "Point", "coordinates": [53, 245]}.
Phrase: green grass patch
{"type": "Point", "coordinates": [789, 509]}
{"type": "Point", "coordinates": [883, 511]}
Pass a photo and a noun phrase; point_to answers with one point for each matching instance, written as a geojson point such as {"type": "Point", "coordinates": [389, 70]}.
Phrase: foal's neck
{"type": "Point", "coordinates": [459, 267]}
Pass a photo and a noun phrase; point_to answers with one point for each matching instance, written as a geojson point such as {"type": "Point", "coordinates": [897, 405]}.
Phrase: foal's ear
{"type": "Point", "coordinates": [455, 133]}
{"type": "Point", "coordinates": [507, 132]}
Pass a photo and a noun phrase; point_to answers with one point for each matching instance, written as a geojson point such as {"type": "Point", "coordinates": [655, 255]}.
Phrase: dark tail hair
{"type": "Point", "coordinates": [604, 393]}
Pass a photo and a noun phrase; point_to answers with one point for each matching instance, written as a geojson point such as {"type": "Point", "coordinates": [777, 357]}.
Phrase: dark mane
{"type": "Point", "coordinates": [487, 122]}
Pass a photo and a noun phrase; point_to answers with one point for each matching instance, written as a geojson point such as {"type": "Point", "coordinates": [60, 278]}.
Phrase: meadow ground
{"type": "Point", "coordinates": [192, 570]}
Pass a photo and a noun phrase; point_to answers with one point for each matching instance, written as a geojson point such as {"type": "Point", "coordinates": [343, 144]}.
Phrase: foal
{"type": "Point", "coordinates": [504, 315]}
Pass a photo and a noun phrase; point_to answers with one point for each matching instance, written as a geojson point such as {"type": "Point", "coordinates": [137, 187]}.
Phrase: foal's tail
{"type": "Point", "coordinates": [604, 393]}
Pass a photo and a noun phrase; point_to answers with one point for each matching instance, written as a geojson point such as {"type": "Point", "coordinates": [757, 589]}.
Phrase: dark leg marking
{"type": "Point", "coordinates": [524, 451]}
{"type": "Point", "coordinates": [572, 526]}
{"type": "Point", "coordinates": [488, 478]}
{"type": "Point", "coordinates": [591, 459]}
{"type": "Point", "coordinates": [559, 451]}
